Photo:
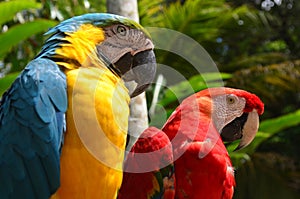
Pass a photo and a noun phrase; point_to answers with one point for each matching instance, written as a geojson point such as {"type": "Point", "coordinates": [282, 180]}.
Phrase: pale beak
{"type": "Point", "coordinates": [243, 127]}
{"type": "Point", "coordinates": [250, 129]}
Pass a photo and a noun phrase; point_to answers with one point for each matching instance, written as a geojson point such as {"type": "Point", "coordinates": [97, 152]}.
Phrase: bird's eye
{"type": "Point", "coordinates": [231, 99]}
{"type": "Point", "coordinates": [121, 30]}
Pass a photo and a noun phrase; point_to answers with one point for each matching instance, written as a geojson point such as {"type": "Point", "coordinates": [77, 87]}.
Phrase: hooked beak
{"type": "Point", "coordinates": [137, 70]}
{"type": "Point", "coordinates": [243, 127]}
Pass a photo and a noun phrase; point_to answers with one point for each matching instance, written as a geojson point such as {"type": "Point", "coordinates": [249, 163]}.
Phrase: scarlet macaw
{"type": "Point", "coordinates": [149, 170]}
{"type": "Point", "coordinates": [202, 165]}
{"type": "Point", "coordinates": [195, 130]}
{"type": "Point", "coordinates": [76, 83]}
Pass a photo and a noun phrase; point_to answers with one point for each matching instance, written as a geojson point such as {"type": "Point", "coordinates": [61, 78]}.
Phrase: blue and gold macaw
{"type": "Point", "coordinates": [63, 122]}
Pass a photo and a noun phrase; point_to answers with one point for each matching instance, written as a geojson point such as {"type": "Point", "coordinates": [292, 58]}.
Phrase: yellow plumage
{"type": "Point", "coordinates": [97, 121]}
{"type": "Point", "coordinates": [81, 44]}
{"type": "Point", "coordinates": [94, 145]}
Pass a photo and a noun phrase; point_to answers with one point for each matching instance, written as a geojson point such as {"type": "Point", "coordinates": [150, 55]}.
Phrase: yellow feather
{"type": "Point", "coordinates": [156, 188]}
{"type": "Point", "coordinates": [81, 44]}
{"type": "Point", "coordinates": [97, 121]}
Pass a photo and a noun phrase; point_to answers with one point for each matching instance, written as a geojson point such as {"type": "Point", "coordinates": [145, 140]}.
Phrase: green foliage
{"type": "Point", "coordinates": [7, 81]}
{"type": "Point", "coordinates": [274, 46]}
{"type": "Point", "coordinates": [276, 125]}
{"type": "Point", "coordinates": [196, 83]}
{"type": "Point", "coordinates": [260, 59]}
{"type": "Point", "coordinates": [8, 9]}
{"type": "Point", "coordinates": [12, 37]}
{"type": "Point", "coordinates": [215, 25]}
{"type": "Point", "coordinates": [19, 31]}
{"type": "Point", "coordinates": [69, 8]}
{"type": "Point", "coordinates": [151, 12]}
{"type": "Point", "coordinates": [276, 84]}
{"type": "Point", "coordinates": [186, 18]}
{"type": "Point", "coordinates": [267, 129]}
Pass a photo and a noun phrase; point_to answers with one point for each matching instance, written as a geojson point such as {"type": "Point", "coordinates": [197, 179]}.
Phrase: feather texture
{"type": "Point", "coordinates": [30, 134]}
{"type": "Point", "coordinates": [93, 152]}
{"type": "Point", "coordinates": [149, 169]}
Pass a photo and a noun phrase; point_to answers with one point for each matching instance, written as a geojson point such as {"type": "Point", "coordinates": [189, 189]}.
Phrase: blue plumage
{"type": "Point", "coordinates": [97, 19]}
{"type": "Point", "coordinates": [31, 131]}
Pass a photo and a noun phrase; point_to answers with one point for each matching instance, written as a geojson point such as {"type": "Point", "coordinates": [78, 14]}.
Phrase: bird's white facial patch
{"type": "Point", "coordinates": [226, 108]}
{"type": "Point", "coordinates": [121, 39]}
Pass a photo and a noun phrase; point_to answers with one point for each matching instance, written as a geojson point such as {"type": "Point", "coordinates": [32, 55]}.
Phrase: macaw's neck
{"type": "Point", "coordinates": [78, 49]}
{"type": "Point", "coordinates": [189, 118]}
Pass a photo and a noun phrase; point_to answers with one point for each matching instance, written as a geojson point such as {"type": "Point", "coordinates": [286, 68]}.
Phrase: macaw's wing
{"type": "Point", "coordinates": [31, 130]}
{"type": "Point", "coordinates": [149, 171]}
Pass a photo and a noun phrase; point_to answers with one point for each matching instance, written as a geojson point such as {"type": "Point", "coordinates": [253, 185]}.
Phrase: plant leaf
{"type": "Point", "coordinates": [267, 129]}
{"type": "Point", "coordinates": [8, 9]}
{"type": "Point", "coordinates": [194, 84]}
{"type": "Point", "coordinates": [275, 125]}
{"type": "Point", "coordinates": [21, 32]}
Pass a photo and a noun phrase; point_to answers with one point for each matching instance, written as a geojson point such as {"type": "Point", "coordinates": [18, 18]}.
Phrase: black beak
{"type": "Point", "coordinates": [139, 68]}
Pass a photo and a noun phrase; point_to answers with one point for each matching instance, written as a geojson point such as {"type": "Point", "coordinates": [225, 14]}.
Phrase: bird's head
{"type": "Point", "coordinates": [235, 113]}
{"type": "Point", "coordinates": [101, 39]}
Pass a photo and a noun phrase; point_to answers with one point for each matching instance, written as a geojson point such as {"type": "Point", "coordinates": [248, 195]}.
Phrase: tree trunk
{"type": "Point", "coordinates": [138, 120]}
{"type": "Point", "coordinates": [126, 8]}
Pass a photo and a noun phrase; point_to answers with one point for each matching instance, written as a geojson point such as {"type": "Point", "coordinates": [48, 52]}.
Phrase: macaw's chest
{"type": "Point", "coordinates": [97, 121]}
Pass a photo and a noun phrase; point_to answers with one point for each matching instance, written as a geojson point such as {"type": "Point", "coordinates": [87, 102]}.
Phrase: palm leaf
{"type": "Point", "coordinates": [275, 84]}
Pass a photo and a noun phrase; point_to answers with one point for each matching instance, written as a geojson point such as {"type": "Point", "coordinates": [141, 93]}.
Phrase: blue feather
{"type": "Point", "coordinates": [5, 185]}
{"type": "Point", "coordinates": [31, 131]}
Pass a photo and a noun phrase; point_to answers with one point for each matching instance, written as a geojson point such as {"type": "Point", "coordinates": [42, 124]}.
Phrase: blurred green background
{"type": "Point", "coordinates": [254, 43]}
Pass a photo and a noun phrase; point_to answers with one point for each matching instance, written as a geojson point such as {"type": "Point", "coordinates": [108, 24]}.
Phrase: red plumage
{"type": "Point", "coordinates": [202, 165]}
{"type": "Point", "coordinates": [148, 168]}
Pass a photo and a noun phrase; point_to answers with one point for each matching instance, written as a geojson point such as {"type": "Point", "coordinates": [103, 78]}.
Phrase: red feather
{"type": "Point", "coordinates": [149, 169]}
{"type": "Point", "coordinates": [202, 165]}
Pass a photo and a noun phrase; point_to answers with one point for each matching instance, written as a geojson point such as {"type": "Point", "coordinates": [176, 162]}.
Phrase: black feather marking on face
{"type": "Point", "coordinates": [234, 130]}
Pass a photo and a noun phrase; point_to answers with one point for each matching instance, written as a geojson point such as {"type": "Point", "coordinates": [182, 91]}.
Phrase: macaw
{"type": "Point", "coordinates": [197, 129]}
{"type": "Point", "coordinates": [63, 122]}
{"type": "Point", "coordinates": [149, 169]}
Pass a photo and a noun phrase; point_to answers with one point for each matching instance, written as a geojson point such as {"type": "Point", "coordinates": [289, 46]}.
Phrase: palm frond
{"type": "Point", "coordinates": [276, 84]}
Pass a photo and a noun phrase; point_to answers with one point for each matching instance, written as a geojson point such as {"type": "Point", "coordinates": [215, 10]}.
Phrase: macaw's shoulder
{"type": "Point", "coordinates": [31, 130]}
